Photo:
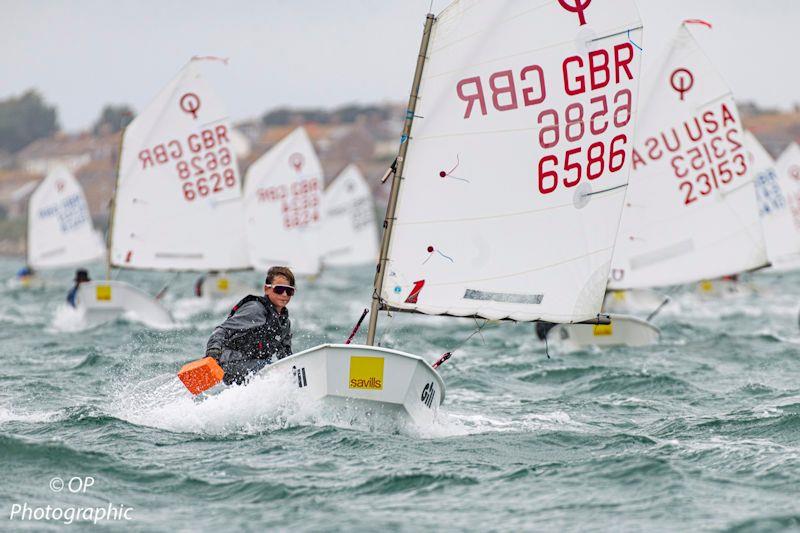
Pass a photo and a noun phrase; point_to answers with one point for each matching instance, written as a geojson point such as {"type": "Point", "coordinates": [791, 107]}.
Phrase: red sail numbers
{"type": "Point", "coordinates": [300, 202]}
{"type": "Point", "coordinates": [570, 136]}
{"type": "Point", "coordinates": [202, 162]}
{"type": "Point", "coordinates": [705, 152]}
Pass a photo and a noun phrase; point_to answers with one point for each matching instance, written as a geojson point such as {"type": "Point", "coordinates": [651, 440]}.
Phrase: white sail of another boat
{"type": "Point", "coordinates": [283, 206]}
{"type": "Point", "coordinates": [178, 197]}
{"type": "Point", "coordinates": [517, 163]}
{"type": "Point", "coordinates": [788, 169]}
{"type": "Point", "coordinates": [350, 230]}
{"type": "Point", "coordinates": [781, 236]}
{"type": "Point", "coordinates": [177, 204]}
{"type": "Point", "coordinates": [60, 230]}
{"type": "Point", "coordinates": [691, 210]}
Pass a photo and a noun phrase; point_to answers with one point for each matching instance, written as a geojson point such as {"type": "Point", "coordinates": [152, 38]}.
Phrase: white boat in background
{"type": "Point", "coordinates": [350, 231]}
{"type": "Point", "coordinates": [462, 188]}
{"type": "Point", "coordinates": [177, 204]}
{"type": "Point", "coordinates": [623, 330]}
{"type": "Point", "coordinates": [788, 170]}
{"type": "Point", "coordinates": [219, 286]}
{"type": "Point", "coordinates": [691, 212]}
{"type": "Point", "coordinates": [781, 236]}
{"type": "Point", "coordinates": [682, 224]}
{"type": "Point", "coordinates": [60, 229]}
{"type": "Point", "coordinates": [632, 301]}
{"type": "Point", "coordinates": [283, 207]}
{"type": "Point", "coordinates": [104, 301]}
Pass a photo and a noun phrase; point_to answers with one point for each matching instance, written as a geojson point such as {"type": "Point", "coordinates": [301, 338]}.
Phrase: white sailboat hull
{"type": "Point", "coordinates": [366, 380]}
{"type": "Point", "coordinates": [724, 288]}
{"type": "Point", "coordinates": [103, 301]}
{"type": "Point", "coordinates": [632, 301]}
{"type": "Point", "coordinates": [623, 330]}
{"type": "Point", "coordinates": [217, 287]}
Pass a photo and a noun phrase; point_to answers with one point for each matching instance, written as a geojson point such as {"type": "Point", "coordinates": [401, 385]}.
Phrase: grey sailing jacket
{"type": "Point", "coordinates": [252, 336]}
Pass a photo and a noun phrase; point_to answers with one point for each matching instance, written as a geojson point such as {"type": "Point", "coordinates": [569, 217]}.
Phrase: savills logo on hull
{"type": "Point", "coordinates": [371, 383]}
{"type": "Point", "coordinates": [366, 373]}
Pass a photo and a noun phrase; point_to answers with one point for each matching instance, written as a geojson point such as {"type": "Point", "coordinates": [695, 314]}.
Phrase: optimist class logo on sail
{"type": "Point", "coordinates": [583, 118]}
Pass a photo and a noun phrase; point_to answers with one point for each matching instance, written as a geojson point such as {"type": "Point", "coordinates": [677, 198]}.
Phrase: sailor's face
{"type": "Point", "coordinates": [278, 300]}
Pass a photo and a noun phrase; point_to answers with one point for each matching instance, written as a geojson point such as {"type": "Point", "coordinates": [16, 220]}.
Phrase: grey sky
{"type": "Point", "coordinates": [84, 53]}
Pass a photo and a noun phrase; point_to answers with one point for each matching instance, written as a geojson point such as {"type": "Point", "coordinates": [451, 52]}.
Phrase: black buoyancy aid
{"type": "Point", "coordinates": [246, 299]}
{"type": "Point", "coordinates": [261, 341]}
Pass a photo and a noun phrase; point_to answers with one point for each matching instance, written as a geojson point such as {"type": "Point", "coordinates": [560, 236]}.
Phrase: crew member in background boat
{"type": "Point", "coordinates": [81, 276]}
{"type": "Point", "coordinates": [257, 330]}
{"type": "Point", "coordinates": [25, 275]}
{"type": "Point", "coordinates": [542, 328]}
{"type": "Point", "coordinates": [198, 286]}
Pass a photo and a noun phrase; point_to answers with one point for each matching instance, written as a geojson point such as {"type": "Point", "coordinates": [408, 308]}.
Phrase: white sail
{"type": "Point", "coordinates": [350, 231]}
{"type": "Point", "coordinates": [60, 231]}
{"type": "Point", "coordinates": [518, 159]}
{"type": "Point", "coordinates": [781, 236]}
{"type": "Point", "coordinates": [283, 206]}
{"type": "Point", "coordinates": [178, 197]}
{"type": "Point", "coordinates": [691, 209]}
{"type": "Point", "coordinates": [788, 168]}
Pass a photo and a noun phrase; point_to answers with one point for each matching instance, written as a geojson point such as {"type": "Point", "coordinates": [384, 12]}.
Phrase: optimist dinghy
{"type": "Point", "coordinates": [691, 211]}
{"type": "Point", "coordinates": [103, 301]}
{"type": "Point", "coordinates": [788, 168]}
{"type": "Point", "coordinates": [365, 379]}
{"type": "Point", "coordinates": [624, 330]}
{"type": "Point", "coordinates": [59, 232]}
{"type": "Point", "coordinates": [496, 211]}
{"type": "Point", "coordinates": [633, 301]}
{"type": "Point", "coordinates": [177, 202]}
{"type": "Point", "coordinates": [218, 286]}
{"type": "Point", "coordinates": [781, 234]}
{"type": "Point", "coordinates": [350, 230]}
{"type": "Point", "coordinates": [283, 199]}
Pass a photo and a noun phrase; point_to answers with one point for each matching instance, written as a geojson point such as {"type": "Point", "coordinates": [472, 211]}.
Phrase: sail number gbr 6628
{"type": "Point", "coordinates": [202, 163]}
{"type": "Point", "coordinates": [574, 137]}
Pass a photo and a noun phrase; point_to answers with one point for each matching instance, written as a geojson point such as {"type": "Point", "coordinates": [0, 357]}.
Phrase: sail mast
{"type": "Point", "coordinates": [388, 223]}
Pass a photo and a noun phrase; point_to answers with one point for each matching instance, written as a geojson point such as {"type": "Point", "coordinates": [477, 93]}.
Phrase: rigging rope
{"type": "Point", "coordinates": [447, 355]}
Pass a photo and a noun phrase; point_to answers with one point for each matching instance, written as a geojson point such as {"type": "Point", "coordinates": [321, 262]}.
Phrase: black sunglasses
{"type": "Point", "coordinates": [280, 289]}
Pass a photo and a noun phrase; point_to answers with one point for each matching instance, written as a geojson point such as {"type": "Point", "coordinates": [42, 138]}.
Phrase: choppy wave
{"type": "Point", "coordinates": [698, 432]}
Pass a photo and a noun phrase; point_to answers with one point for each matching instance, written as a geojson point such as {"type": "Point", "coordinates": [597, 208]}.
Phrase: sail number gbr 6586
{"type": "Point", "coordinates": [574, 136]}
{"type": "Point", "coordinates": [575, 163]}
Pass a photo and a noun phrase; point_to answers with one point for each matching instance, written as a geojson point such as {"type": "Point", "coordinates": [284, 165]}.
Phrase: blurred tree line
{"type": "Point", "coordinates": [23, 119]}
{"type": "Point", "coordinates": [26, 118]}
{"type": "Point", "coordinates": [112, 119]}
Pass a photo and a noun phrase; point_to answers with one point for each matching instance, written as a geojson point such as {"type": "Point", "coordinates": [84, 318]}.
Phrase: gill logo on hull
{"type": "Point", "coordinates": [428, 394]}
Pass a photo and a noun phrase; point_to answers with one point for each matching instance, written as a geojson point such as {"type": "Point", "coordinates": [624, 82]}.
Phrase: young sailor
{"type": "Point", "coordinates": [256, 330]}
{"type": "Point", "coordinates": [81, 276]}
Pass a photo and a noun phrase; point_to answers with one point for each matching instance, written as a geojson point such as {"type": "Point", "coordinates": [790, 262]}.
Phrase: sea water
{"type": "Point", "coordinates": [699, 432]}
